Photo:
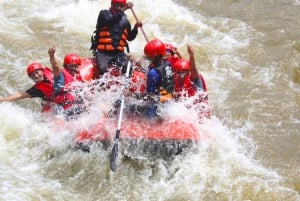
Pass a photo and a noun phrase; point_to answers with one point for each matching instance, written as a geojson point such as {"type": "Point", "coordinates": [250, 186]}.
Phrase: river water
{"type": "Point", "coordinates": [249, 52]}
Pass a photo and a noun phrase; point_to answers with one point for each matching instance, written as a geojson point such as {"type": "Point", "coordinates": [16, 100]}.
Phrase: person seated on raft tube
{"type": "Point", "coordinates": [71, 64]}
{"type": "Point", "coordinates": [63, 78]}
{"type": "Point", "coordinates": [160, 81]}
{"type": "Point", "coordinates": [113, 30]}
{"type": "Point", "coordinates": [186, 76]}
{"type": "Point", "coordinates": [43, 87]}
{"type": "Point", "coordinates": [173, 55]}
{"type": "Point", "coordinates": [190, 83]}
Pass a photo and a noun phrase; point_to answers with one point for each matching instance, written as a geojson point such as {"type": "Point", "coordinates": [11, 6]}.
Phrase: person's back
{"type": "Point", "coordinates": [160, 81]}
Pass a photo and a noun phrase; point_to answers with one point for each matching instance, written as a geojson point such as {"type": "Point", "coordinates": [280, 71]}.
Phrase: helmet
{"type": "Point", "coordinates": [33, 67]}
{"type": "Point", "coordinates": [118, 1]}
{"type": "Point", "coordinates": [155, 48]}
{"type": "Point", "coordinates": [181, 65]}
{"type": "Point", "coordinates": [72, 59]}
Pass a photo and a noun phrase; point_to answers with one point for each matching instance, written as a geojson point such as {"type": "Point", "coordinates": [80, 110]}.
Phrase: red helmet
{"type": "Point", "coordinates": [72, 59]}
{"type": "Point", "coordinates": [33, 67]}
{"type": "Point", "coordinates": [155, 48]}
{"type": "Point", "coordinates": [118, 1]}
{"type": "Point", "coordinates": [181, 65]}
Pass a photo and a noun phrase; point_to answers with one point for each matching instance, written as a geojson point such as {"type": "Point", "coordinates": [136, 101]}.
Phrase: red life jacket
{"type": "Point", "coordinates": [77, 77]}
{"type": "Point", "coordinates": [64, 97]}
{"type": "Point", "coordinates": [46, 86]}
{"type": "Point", "coordinates": [184, 87]}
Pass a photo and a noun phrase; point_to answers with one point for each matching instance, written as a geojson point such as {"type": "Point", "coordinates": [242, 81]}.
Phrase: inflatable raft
{"type": "Point", "coordinates": [139, 136]}
{"type": "Point", "coordinates": [161, 138]}
{"type": "Point", "coordinates": [88, 69]}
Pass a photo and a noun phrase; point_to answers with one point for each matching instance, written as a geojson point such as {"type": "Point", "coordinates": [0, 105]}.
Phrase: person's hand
{"type": "Point", "coordinates": [138, 24]}
{"type": "Point", "coordinates": [129, 5]}
{"type": "Point", "coordinates": [126, 92]}
{"type": "Point", "coordinates": [190, 50]}
{"type": "Point", "coordinates": [175, 50]}
{"type": "Point", "coordinates": [51, 51]}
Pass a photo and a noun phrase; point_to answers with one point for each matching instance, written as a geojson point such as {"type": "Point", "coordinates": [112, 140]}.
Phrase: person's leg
{"type": "Point", "coordinates": [102, 61]}
{"type": "Point", "coordinates": [120, 60]}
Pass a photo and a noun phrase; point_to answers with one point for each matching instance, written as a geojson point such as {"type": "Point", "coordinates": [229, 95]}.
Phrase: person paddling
{"type": "Point", "coordinates": [113, 30]}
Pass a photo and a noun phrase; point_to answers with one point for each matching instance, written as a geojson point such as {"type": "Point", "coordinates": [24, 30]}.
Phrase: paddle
{"type": "Point", "coordinates": [114, 151]}
{"type": "Point", "coordinates": [146, 38]}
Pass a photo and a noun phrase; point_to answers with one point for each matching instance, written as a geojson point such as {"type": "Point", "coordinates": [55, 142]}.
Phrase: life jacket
{"type": "Point", "coordinates": [185, 86]}
{"type": "Point", "coordinates": [77, 77]}
{"type": "Point", "coordinates": [188, 86]}
{"type": "Point", "coordinates": [64, 98]}
{"type": "Point", "coordinates": [114, 37]}
{"type": "Point", "coordinates": [166, 85]}
{"type": "Point", "coordinates": [46, 86]}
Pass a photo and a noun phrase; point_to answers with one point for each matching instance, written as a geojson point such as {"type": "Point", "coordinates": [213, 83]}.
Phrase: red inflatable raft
{"type": "Point", "coordinates": [139, 136]}
{"type": "Point", "coordinates": [88, 69]}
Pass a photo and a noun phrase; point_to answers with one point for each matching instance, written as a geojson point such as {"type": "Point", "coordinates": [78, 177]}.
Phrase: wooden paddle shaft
{"type": "Point", "coordinates": [146, 38]}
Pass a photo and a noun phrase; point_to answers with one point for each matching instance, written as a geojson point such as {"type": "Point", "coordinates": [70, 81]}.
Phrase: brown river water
{"type": "Point", "coordinates": [249, 52]}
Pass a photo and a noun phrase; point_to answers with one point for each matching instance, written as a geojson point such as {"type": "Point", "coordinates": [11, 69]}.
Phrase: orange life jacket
{"type": "Point", "coordinates": [111, 41]}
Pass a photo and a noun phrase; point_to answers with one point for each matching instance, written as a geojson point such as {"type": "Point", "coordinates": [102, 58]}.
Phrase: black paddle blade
{"type": "Point", "coordinates": [113, 157]}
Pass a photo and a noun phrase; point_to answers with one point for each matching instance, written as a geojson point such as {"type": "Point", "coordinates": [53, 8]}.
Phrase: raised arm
{"type": "Point", "coordinates": [53, 62]}
{"type": "Point", "coordinates": [194, 71]}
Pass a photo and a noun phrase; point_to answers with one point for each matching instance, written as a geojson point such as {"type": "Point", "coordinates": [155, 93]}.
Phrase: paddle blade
{"type": "Point", "coordinates": [114, 152]}
{"type": "Point", "coordinates": [113, 156]}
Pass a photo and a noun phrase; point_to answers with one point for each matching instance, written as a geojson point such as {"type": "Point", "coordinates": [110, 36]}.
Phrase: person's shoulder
{"type": "Point", "coordinates": [167, 62]}
{"type": "Point", "coordinates": [104, 12]}
{"type": "Point", "coordinates": [153, 73]}
{"type": "Point", "coordinates": [33, 91]}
